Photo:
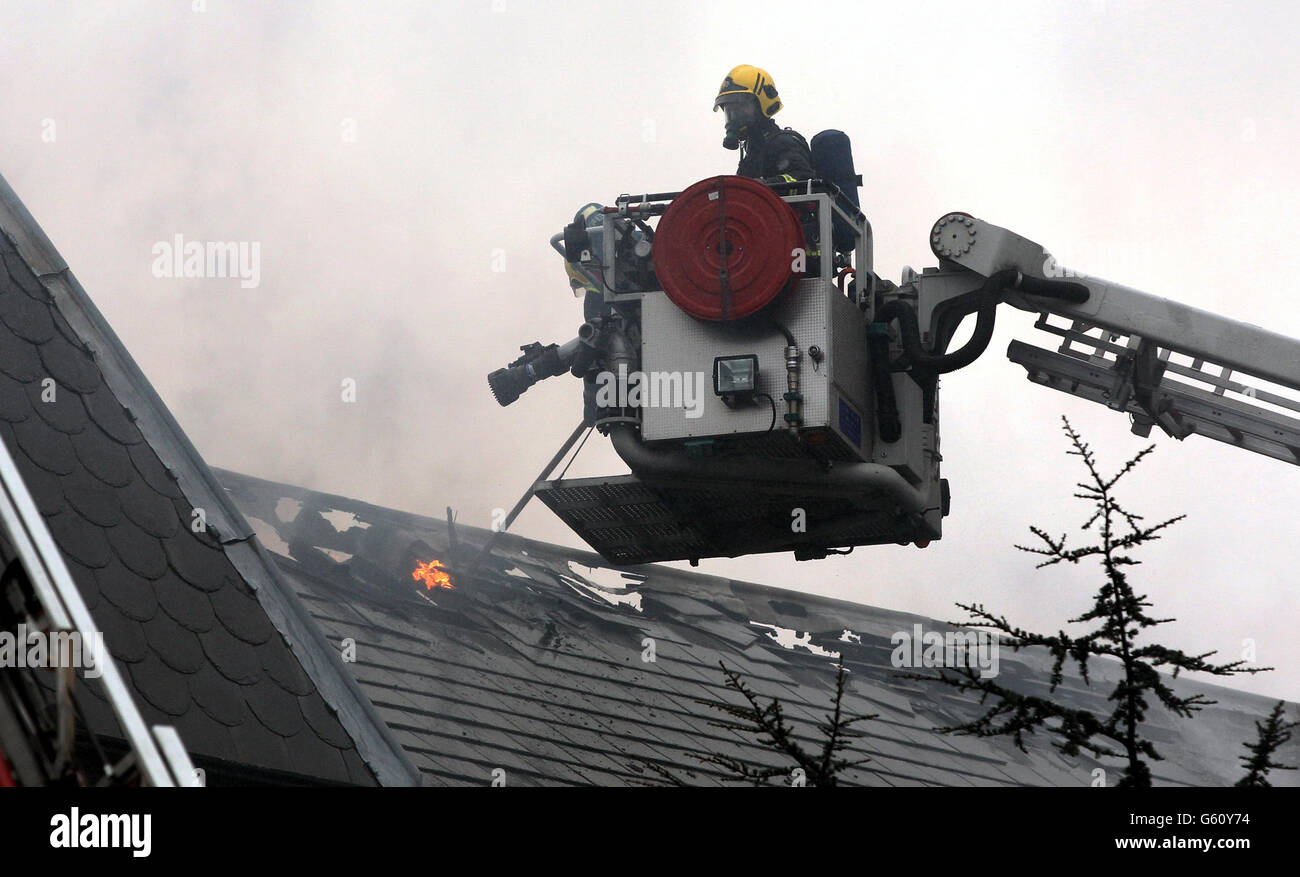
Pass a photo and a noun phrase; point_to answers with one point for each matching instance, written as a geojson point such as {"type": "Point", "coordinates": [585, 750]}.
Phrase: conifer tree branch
{"type": "Point", "coordinates": [1120, 617]}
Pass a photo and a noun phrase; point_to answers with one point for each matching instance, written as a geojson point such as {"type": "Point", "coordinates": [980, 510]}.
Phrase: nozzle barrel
{"type": "Point", "coordinates": [537, 363]}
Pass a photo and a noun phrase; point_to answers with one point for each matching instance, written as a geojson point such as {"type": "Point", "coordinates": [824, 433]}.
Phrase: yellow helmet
{"type": "Point", "coordinates": [746, 79]}
{"type": "Point", "coordinates": [578, 281]}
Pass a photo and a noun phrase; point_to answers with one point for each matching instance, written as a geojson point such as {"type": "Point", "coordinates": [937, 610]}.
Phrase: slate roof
{"type": "Point", "coordinates": [200, 623]}
{"type": "Point", "coordinates": [535, 666]}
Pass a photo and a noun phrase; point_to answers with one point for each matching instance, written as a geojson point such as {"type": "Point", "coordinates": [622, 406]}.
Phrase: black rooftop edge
{"type": "Point", "coordinates": [374, 742]}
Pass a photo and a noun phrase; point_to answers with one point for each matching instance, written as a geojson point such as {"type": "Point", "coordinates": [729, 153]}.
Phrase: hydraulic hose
{"type": "Point", "coordinates": [987, 296]}
{"type": "Point", "coordinates": [984, 301]}
{"type": "Point", "coordinates": [887, 419]}
{"type": "Point", "coordinates": [1065, 290]}
{"type": "Point", "coordinates": [793, 397]}
{"type": "Point", "coordinates": [789, 336]}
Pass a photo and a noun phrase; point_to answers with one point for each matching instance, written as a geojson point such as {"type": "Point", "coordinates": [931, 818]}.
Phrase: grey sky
{"type": "Point", "coordinates": [1148, 143]}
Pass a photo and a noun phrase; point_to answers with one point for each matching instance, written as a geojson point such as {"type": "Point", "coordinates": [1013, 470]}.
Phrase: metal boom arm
{"type": "Point", "coordinates": [1120, 346]}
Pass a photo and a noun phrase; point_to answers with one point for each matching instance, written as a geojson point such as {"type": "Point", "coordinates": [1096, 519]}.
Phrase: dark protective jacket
{"type": "Point", "coordinates": [772, 151]}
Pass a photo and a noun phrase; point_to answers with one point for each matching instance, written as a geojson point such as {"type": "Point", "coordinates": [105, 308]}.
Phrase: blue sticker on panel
{"type": "Point", "coordinates": [850, 424]}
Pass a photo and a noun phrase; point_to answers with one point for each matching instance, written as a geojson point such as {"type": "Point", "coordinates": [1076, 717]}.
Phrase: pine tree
{"type": "Point", "coordinates": [1273, 734]}
{"type": "Point", "coordinates": [1120, 616]}
{"type": "Point", "coordinates": [769, 725]}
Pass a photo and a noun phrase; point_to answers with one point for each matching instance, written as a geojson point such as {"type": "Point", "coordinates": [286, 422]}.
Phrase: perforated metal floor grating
{"type": "Point", "coordinates": [629, 521]}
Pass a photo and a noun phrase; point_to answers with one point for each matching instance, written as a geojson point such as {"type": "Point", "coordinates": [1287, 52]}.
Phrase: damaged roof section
{"type": "Point", "coordinates": [554, 669]}
{"type": "Point", "coordinates": [206, 633]}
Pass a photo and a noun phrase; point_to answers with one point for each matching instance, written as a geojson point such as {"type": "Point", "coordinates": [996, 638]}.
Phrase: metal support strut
{"type": "Point", "coordinates": [528, 494]}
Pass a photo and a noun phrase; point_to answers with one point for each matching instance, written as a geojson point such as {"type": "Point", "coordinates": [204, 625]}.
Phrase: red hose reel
{"type": "Point", "coordinates": [725, 248]}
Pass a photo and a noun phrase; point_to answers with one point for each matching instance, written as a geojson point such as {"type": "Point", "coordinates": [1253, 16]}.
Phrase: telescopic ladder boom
{"type": "Point", "coordinates": [1186, 370]}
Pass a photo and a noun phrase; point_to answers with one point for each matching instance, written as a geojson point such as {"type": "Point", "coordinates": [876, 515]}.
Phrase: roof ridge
{"type": "Point", "coordinates": [579, 555]}
{"type": "Point", "coordinates": [667, 579]}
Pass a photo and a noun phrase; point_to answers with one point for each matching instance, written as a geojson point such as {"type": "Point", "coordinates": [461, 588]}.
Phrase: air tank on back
{"type": "Point", "coordinates": [832, 156]}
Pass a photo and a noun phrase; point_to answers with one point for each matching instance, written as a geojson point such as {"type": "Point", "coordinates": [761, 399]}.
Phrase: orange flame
{"type": "Point", "coordinates": [432, 575]}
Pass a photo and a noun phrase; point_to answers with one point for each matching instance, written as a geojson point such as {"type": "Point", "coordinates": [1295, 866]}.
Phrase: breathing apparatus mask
{"type": "Point", "coordinates": [741, 111]}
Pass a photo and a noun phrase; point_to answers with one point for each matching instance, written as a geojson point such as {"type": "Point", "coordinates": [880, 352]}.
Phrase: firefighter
{"type": "Point", "coordinates": [749, 100]}
{"type": "Point", "coordinates": [593, 304]}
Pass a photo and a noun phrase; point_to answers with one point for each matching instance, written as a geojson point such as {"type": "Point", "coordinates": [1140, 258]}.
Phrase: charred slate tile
{"type": "Point", "coordinates": [274, 707]}
{"type": "Point", "coordinates": [186, 604]}
{"type": "Point", "coordinates": [177, 647]}
{"type": "Point", "coordinates": [313, 561]}
{"type": "Point", "coordinates": [102, 457]}
{"type": "Point", "coordinates": [232, 657]}
{"type": "Point", "coordinates": [80, 538]}
{"type": "Point", "coordinates": [138, 551]}
{"type": "Point", "coordinates": [239, 612]}
{"type": "Point", "coordinates": [162, 687]}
